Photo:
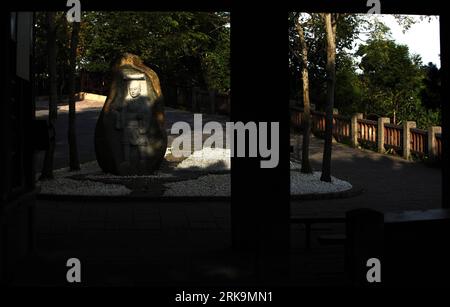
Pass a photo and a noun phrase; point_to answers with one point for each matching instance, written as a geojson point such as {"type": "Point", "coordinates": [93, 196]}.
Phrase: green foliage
{"type": "Point", "coordinates": [381, 79]}
{"type": "Point", "coordinates": [393, 81]}
{"type": "Point", "coordinates": [187, 48]}
{"type": "Point", "coordinates": [216, 65]}
{"type": "Point", "coordinates": [348, 29]}
{"type": "Point", "coordinates": [184, 48]}
{"type": "Point", "coordinates": [349, 91]}
{"type": "Point", "coordinates": [426, 117]}
{"type": "Point", "coordinates": [431, 94]}
{"type": "Point", "coordinates": [62, 42]}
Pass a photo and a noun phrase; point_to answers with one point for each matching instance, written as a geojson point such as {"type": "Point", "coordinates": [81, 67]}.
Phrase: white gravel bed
{"type": "Point", "coordinates": [66, 186]}
{"type": "Point", "coordinates": [208, 159]}
{"type": "Point", "coordinates": [302, 184]}
{"type": "Point", "coordinates": [112, 176]}
{"type": "Point", "coordinates": [295, 166]}
{"type": "Point", "coordinates": [210, 185]}
{"type": "Point", "coordinates": [62, 185]}
{"type": "Point", "coordinates": [85, 168]}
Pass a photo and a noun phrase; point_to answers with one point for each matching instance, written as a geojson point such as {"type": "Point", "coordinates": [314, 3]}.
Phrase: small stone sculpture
{"type": "Point", "coordinates": [130, 136]}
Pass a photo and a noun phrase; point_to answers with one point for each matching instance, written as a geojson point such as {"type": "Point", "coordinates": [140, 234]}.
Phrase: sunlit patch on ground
{"type": "Point", "coordinates": [211, 185]}
{"type": "Point", "coordinates": [303, 184]}
{"type": "Point", "coordinates": [204, 173]}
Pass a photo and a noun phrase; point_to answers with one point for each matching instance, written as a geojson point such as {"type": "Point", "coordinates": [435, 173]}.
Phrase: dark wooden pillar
{"type": "Point", "coordinates": [16, 133]}
{"type": "Point", "coordinates": [445, 55]}
{"type": "Point", "coordinates": [260, 196]}
{"type": "Point", "coordinates": [365, 240]}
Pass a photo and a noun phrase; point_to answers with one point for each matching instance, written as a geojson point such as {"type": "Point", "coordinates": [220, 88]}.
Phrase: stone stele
{"type": "Point", "coordinates": [130, 136]}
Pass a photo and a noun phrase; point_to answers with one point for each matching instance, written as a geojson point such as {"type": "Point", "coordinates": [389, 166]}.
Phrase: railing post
{"type": "Point", "coordinates": [432, 148]}
{"type": "Point", "coordinates": [335, 112]}
{"type": "Point", "coordinates": [380, 132]}
{"type": "Point", "coordinates": [212, 99]}
{"type": "Point", "coordinates": [364, 241]}
{"type": "Point", "coordinates": [313, 122]}
{"type": "Point", "coordinates": [312, 108]}
{"type": "Point", "coordinates": [177, 97]}
{"type": "Point", "coordinates": [194, 99]}
{"type": "Point", "coordinates": [407, 138]}
{"type": "Point", "coordinates": [354, 128]}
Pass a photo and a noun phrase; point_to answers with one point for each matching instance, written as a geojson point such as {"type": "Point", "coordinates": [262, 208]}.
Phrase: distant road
{"type": "Point", "coordinates": [87, 115]}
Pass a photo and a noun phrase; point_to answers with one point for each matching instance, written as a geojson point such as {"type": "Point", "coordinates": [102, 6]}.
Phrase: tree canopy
{"type": "Point", "coordinates": [184, 48]}
{"type": "Point", "coordinates": [348, 28]}
{"type": "Point", "coordinates": [380, 78]}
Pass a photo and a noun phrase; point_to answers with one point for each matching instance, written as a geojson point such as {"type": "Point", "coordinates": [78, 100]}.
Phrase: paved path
{"type": "Point", "coordinates": [142, 243]}
{"type": "Point", "coordinates": [390, 183]}
{"type": "Point", "coordinates": [87, 115]}
{"type": "Point", "coordinates": [157, 243]}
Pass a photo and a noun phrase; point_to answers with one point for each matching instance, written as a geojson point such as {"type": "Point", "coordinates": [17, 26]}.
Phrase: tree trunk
{"type": "Point", "coordinates": [330, 28]}
{"type": "Point", "coordinates": [47, 169]}
{"type": "Point", "coordinates": [74, 162]}
{"type": "Point", "coordinates": [306, 117]}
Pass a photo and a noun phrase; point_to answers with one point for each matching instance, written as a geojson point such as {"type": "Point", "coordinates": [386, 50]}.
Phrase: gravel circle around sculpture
{"type": "Point", "coordinates": [309, 186]}
{"type": "Point", "coordinates": [208, 159]}
{"type": "Point", "coordinates": [217, 185]}
{"type": "Point", "coordinates": [67, 186]}
{"type": "Point", "coordinates": [203, 173]}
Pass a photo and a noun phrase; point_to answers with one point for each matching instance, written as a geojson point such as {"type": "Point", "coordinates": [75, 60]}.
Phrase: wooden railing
{"type": "Point", "coordinates": [420, 143]}
{"type": "Point", "coordinates": [341, 127]}
{"type": "Point", "coordinates": [367, 131]}
{"type": "Point", "coordinates": [318, 119]}
{"type": "Point", "coordinates": [209, 101]}
{"type": "Point", "coordinates": [296, 117]}
{"type": "Point", "coordinates": [438, 137]}
{"type": "Point", "coordinates": [393, 137]}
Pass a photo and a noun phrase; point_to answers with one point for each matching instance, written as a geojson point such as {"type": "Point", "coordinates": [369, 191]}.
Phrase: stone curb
{"type": "Point", "coordinates": [354, 191]}
{"type": "Point", "coordinates": [123, 198]}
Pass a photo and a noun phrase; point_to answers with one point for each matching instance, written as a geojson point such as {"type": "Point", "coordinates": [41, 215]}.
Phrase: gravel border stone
{"type": "Point", "coordinates": [204, 173]}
